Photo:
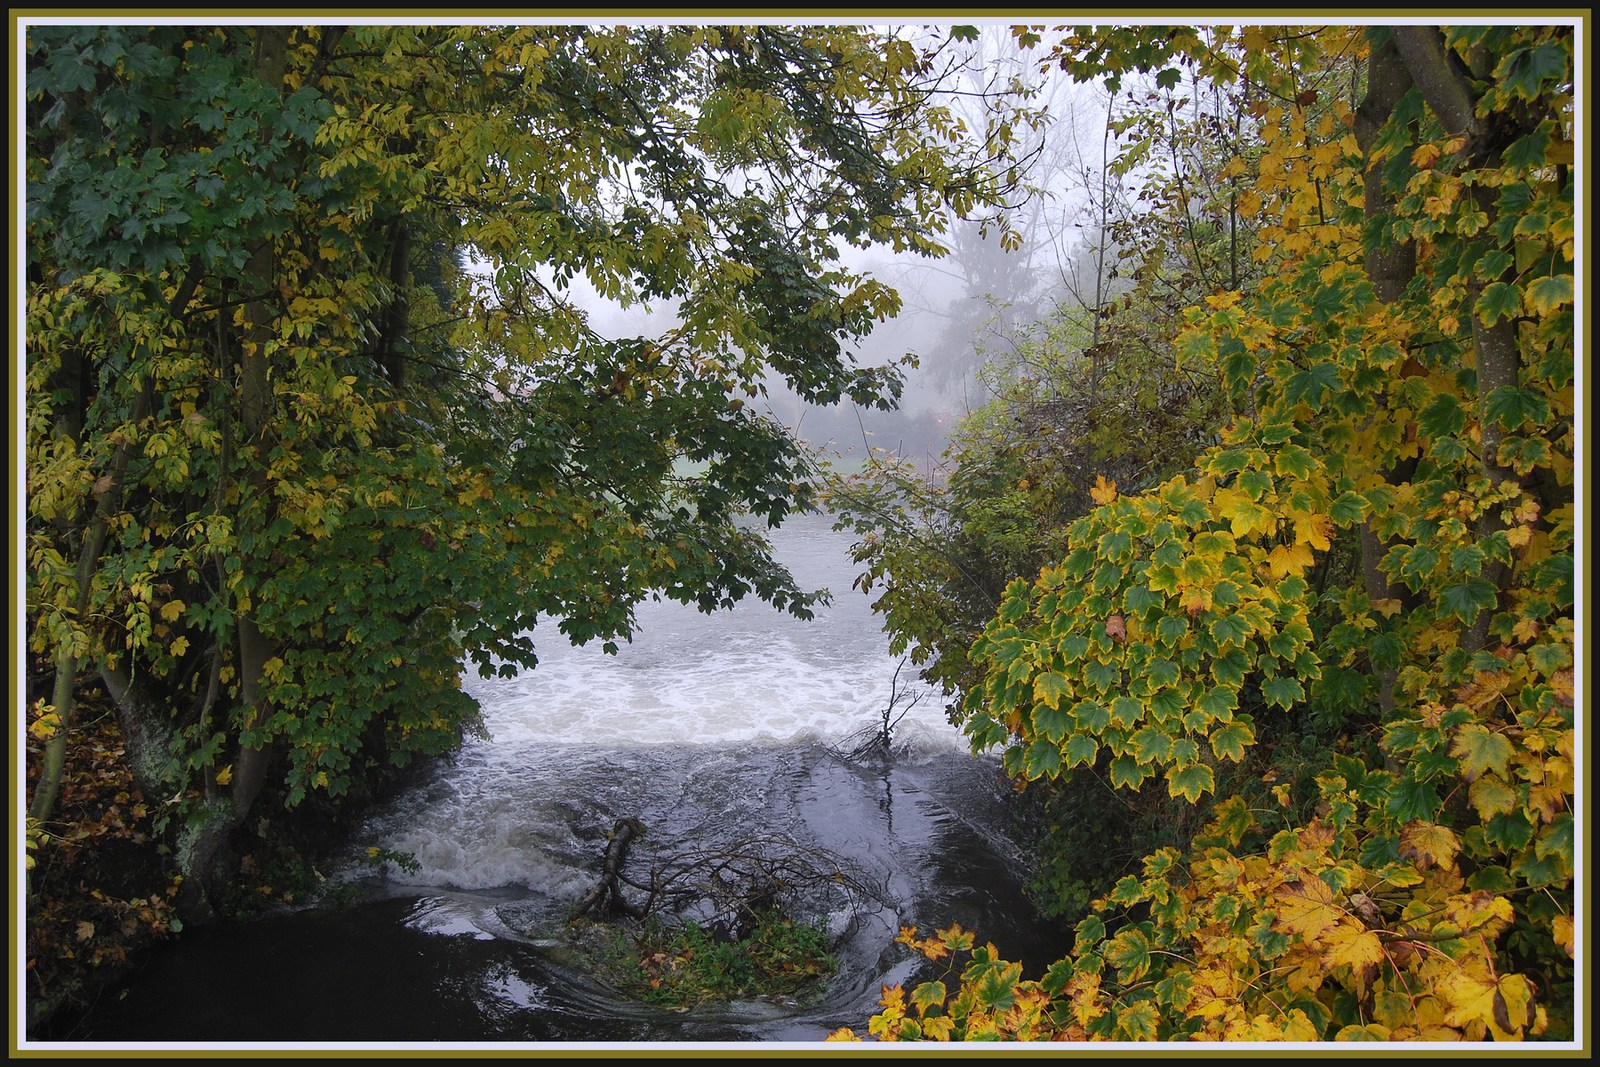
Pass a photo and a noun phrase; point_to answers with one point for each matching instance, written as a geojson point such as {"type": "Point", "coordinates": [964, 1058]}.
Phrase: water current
{"type": "Point", "coordinates": [713, 731]}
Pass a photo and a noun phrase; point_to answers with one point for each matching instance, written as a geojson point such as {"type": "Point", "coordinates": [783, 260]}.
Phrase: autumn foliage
{"type": "Point", "coordinates": [1373, 567]}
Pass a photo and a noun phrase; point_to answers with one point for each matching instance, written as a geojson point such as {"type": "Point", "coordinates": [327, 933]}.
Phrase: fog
{"type": "Point", "coordinates": [959, 310]}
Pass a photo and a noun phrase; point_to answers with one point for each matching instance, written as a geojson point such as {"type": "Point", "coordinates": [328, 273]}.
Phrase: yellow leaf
{"type": "Point", "coordinates": [225, 775]}
{"type": "Point", "coordinates": [1312, 530]}
{"type": "Point", "coordinates": [1468, 993]}
{"type": "Point", "coordinates": [1428, 845]}
{"type": "Point", "coordinates": [1306, 907]}
{"type": "Point", "coordinates": [171, 610]}
{"type": "Point", "coordinates": [1350, 945]}
{"type": "Point", "coordinates": [1104, 492]}
{"type": "Point", "coordinates": [180, 646]}
{"type": "Point", "coordinates": [1285, 560]}
{"type": "Point", "coordinates": [1561, 928]}
{"type": "Point", "coordinates": [1491, 796]}
{"type": "Point", "coordinates": [45, 726]}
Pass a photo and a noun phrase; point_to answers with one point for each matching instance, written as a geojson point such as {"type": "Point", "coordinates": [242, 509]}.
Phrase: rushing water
{"type": "Point", "coordinates": [711, 730]}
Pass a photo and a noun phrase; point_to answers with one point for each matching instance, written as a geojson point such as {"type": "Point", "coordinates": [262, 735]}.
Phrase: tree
{"type": "Point", "coordinates": [312, 418]}
{"type": "Point", "coordinates": [1372, 571]}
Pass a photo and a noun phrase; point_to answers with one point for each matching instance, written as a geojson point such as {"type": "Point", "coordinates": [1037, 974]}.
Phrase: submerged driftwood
{"type": "Point", "coordinates": [728, 888]}
{"type": "Point", "coordinates": [607, 893]}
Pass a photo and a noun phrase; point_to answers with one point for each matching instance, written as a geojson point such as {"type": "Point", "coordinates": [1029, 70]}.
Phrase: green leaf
{"type": "Point", "coordinates": [1310, 386]}
{"type": "Point", "coordinates": [1229, 630]}
{"type": "Point", "coordinates": [1138, 1022]}
{"type": "Point", "coordinates": [928, 995]}
{"type": "Point", "coordinates": [1190, 782]}
{"type": "Point", "coordinates": [997, 989]}
{"type": "Point", "coordinates": [1525, 71]}
{"type": "Point", "coordinates": [1091, 717]}
{"type": "Point", "coordinates": [1283, 691]}
{"type": "Point", "coordinates": [1231, 739]}
{"type": "Point", "coordinates": [1052, 723]}
{"type": "Point", "coordinates": [1411, 799]}
{"type": "Point", "coordinates": [1500, 300]}
{"type": "Point", "coordinates": [1126, 710]}
{"type": "Point", "coordinates": [1043, 760]}
{"type": "Point", "coordinates": [1512, 407]}
{"type": "Point", "coordinates": [1048, 689]}
{"type": "Point", "coordinates": [1466, 599]}
{"type": "Point", "coordinates": [1129, 953]}
{"type": "Point", "coordinates": [1081, 748]}
{"type": "Point", "coordinates": [1547, 294]}
{"type": "Point", "coordinates": [1151, 745]}
{"type": "Point", "coordinates": [1443, 417]}
{"type": "Point", "coordinates": [1349, 508]}
{"type": "Point", "coordinates": [1219, 702]}
{"type": "Point", "coordinates": [1126, 772]}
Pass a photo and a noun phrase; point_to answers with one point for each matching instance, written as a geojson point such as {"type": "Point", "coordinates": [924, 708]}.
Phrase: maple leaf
{"type": "Point", "coordinates": [1306, 907]}
{"type": "Point", "coordinates": [1103, 492]}
{"type": "Point", "coordinates": [1427, 844]}
{"type": "Point", "coordinates": [1350, 945]}
{"type": "Point", "coordinates": [1286, 560]}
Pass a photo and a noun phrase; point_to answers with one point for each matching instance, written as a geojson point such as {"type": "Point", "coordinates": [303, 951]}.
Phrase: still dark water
{"type": "Point", "coordinates": [709, 729]}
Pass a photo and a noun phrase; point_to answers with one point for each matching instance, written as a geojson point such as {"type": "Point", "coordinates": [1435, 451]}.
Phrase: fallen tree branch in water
{"type": "Point", "coordinates": [727, 889]}
{"type": "Point", "coordinates": [607, 890]}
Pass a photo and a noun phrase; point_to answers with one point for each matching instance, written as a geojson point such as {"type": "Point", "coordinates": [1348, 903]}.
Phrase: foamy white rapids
{"type": "Point", "coordinates": [702, 726]}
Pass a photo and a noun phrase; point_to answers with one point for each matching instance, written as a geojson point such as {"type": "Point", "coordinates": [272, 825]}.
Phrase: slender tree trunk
{"type": "Point", "coordinates": [1391, 268]}
{"type": "Point", "coordinates": [1498, 361]}
{"type": "Point", "coordinates": [255, 648]}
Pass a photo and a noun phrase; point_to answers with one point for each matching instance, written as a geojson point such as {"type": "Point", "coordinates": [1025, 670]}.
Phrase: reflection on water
{"type": "Point", "coordinates": [709, 729]}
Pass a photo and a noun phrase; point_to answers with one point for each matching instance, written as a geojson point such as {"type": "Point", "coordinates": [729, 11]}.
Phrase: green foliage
{"type": "Point", "coordinates": [312, 415]}
{"type": "Point", "coordinates": [1374, 558]}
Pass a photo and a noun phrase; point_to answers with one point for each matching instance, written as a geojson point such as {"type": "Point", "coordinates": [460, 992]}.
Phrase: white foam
{"type": "Point", "coordinates": [714, 683]}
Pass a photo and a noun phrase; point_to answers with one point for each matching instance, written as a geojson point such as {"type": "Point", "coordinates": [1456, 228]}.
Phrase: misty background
{"type": "Point", "coordinates": [963, 312]}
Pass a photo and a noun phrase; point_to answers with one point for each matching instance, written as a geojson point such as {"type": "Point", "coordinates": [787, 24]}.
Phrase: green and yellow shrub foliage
{"type": "Point", "coordinates": [1377, 554]}
{"type": "Point", "coordinates": [313, 417]}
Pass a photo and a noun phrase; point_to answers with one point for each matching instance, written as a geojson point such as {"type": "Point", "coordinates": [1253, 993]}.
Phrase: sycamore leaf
{"type": "Point", "coordinates": [1306, 907]}
{"type": "Point", "coordinates": [1139, 1021]}
{"type": "Point", "coordinates": [1428, 845]}
{"type": "Point", "coordinates": [1231, 739]}
{"type": "Point", "coordinates": [1312, 530]}
{"type": "Point", "coordinates": [1491, 796]}
{"type": "Point", "coordinates": [1043, 760]}
{"type": "Point", "coordinates": [1190, 782]}
{"type": "Point", "coordinates": [1103, 492]}
{"type": "Point", "coordinates": [1561, 930]}
{"type": "Point", "coordinates": [1349, 945]}
{"type": "Point", "coordinates": [1369, 1032]}
{"type": "Point", "coordinates": [1544, 295]}
{"type": "Point", "coordinates": [928, 995]}
{"type": "Point", "coordinates": [1129, 953]}
{"type": "Point", "coordinates": [1286, 560]}
{"type": "Point", "coordinates": [1052, 724]}
{"type": "Point", "coordinates": [1480, 750]}
{"type": "Point", "coordinates": [1049, 688]}
{"type": "Point", "coordinates": [225, 776]}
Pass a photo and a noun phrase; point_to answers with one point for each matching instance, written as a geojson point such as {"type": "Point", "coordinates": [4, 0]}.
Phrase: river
{"type": "Point", "coordinates": [712, 730]}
